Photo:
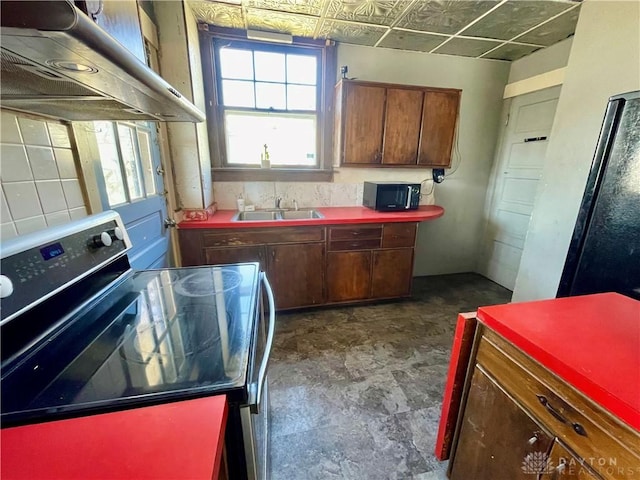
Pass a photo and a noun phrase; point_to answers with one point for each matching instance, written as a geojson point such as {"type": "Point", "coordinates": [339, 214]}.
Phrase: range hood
{"type": "Point", "coordinates": [57, 62]}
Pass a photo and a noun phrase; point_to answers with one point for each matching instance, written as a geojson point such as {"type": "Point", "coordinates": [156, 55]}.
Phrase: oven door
{"type": "Point", "coordinates": [255, 416]}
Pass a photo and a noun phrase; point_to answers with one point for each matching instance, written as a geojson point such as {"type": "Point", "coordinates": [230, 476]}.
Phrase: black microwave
{"type": "Point", "coordinates": [391, 196]}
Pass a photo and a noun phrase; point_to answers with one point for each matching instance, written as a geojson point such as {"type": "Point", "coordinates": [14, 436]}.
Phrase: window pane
{"type": "Point", "coordinates": [270, 66]}
{"type": "Point", "coordinates": [270, 95]}
{"type": "Point", "coordinates": [290, 139]}
{"type": "Point", "coordinates": [110, 163]}
{"type": "Point", "coordinates": [130, 161]}
{"type": "Point", "coordinates": [301, 97]}
{"type": "Point", "coordinates": [237, 94]}
{"type": "Point", "coordinates": [148, 171]}
{"type": "Point", "coordinates": [301, 69]}
{"type": "Point", "coordinates": [236, 63]}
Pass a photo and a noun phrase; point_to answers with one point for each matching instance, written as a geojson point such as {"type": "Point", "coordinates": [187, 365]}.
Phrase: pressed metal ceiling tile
{"type": "Point", "coordinates": [220, 14]}
{"type": "Point", "coordinates": [511, 51]}
{"type": "Point", "coordinates": [352, 33]}
{"type": "Point", "coordinates": [402, 40]}
{"type": "Point", "coordinates": [554, 31]}
{"type": "Point", "coordinates": [444, 16]}
{"type": "Point", "coordinates": [298, 25]}
{"type": "Point", "coordinates": [306, 7]}
{"type": "Point", "coordinates": [514, 18]}
{"type": "Point", "coordinates": [467, 47]}
{"type": "Point", "coordinates": [380, 12]}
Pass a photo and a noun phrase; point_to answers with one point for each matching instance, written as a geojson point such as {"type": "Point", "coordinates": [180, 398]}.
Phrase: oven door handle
{"type": "Point", "coordinates": [256, 389]}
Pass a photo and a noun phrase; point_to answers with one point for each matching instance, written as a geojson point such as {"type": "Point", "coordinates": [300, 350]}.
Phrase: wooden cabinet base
{"type": "Point", "coordinates": [315, 265]}
{"type": "Point", "coordinates": [513, 406]}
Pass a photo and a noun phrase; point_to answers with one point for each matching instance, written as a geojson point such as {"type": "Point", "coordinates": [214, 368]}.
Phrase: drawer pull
{"type": "Point", "coordinates": [579, 429]}
{"type": "Point", "coordinates": [356, 233]}
{"type": "Point", "coordinates": [555, 413]}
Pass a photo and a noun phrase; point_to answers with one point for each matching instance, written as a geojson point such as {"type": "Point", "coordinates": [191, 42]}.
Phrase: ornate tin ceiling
{"type": "Point", "coordinates": [501, 30]}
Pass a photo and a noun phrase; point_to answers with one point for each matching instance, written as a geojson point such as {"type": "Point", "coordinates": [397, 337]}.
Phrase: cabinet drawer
{"type": "Point", "coordinates": [354, 245]}
{"type": "Point", "coordinates": [399, 235]}
{"type": "Point", "coordinates": [355, 233]}
{"type": "Point", "coordinates": [582, 425]}
{"type": "Point", "coordinates": [261, 236]}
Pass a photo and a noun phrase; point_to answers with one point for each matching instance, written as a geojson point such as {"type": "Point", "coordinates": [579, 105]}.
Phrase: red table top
{"type": "Point", "coordinates": [332, 216]}
{"type": "Point", "coordinates": [169, 441]}
{"type": "Point", "coordinates": [591, 341]}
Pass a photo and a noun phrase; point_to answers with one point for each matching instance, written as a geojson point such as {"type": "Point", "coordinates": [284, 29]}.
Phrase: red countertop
{"type": "Point", "coordinates": [169, 441]}
{"type": "Point", "coordinates": [591, 341]}
{"type": "Point", "coordinates": [332, 216]}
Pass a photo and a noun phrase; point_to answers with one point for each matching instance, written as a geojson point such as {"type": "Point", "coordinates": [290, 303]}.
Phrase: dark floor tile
{"type": "Point", "coordinates": [356, 391]}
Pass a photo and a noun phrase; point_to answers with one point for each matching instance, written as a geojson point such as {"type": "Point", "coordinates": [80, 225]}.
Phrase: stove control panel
{"type": "Point", "coordinates": [45, 263]}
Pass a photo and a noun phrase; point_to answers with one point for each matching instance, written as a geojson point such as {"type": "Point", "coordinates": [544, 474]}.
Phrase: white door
{"type": "Point", "coordinates": [521, 159]}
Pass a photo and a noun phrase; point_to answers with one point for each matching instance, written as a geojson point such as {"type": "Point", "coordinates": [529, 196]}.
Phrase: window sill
{"type": "Point", "coordinates": [270, 175]}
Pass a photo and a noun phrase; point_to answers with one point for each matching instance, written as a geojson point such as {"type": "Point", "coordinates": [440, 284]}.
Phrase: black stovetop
{"type": "Point", "coordinates": [154, 336]}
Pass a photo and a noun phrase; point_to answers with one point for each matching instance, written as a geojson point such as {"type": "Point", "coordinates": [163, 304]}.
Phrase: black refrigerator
{"type": "Point", "coordinates": [604, 254]}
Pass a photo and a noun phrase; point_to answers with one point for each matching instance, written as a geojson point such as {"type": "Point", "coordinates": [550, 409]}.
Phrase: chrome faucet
{"type": "Point", "coordinates": [278, 200]}
{"type": "Point", "coordinates": [295, 204]}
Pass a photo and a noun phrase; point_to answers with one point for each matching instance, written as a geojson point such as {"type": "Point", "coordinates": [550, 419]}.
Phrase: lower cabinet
{"type": "Point", "coordinates": [521, 421]}
{"type": "Point", "coordinates": [348, 276]}
{"type": "Point", "coordinates": [314, 265]}
{"type": "Point", "coordinates": [498, 439]}
{"type": "Point", "coordinates": [294, 274]}
{"type": "Point", "coordinates": [221, 256]}
{"type": "Point", "coordinates": [564, 465]}
{"type": "Point", "coordinates": [392, 273]}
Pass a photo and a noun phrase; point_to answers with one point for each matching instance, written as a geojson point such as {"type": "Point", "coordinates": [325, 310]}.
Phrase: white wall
{"type": "Point", "coordinates": [604, 60]}
{"type": "Point", "coordinates": [541, 61]}
{"type": "Point", "coordinates": [449, 244]}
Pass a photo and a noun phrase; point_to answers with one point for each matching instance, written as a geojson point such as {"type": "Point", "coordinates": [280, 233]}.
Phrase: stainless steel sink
{"type": "Point", "coordinates": [260, 215]}
{"type": "Point", "coordinates": [300, 214]}
{"type": "Point", "coordinates": [275, 215]}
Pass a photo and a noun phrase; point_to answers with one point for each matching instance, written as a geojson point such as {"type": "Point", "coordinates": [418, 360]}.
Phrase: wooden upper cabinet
{"type": "Point", "coordinates": [120, 19]}
{"type": "Point", "coordinates": [402, 126]}
{"type": "Point", "coordinates": [439, 117]}
{"type": "Point", "coordinates": [388, 125]}
{"type": "Point", "coordinates": [363, 126]}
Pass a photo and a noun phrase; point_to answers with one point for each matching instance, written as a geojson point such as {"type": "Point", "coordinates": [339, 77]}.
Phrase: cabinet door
{"type": "Point", "coordinates": [348, 276]}
{"type": "Point", "coordinates": [439, 116]}
{"type": "Point", "coordinates": [402, 126]}
{"type": "Point", "coordinates": [223, 256]}
{"type": "Point", "coordinates": [296, 274]}
{"type": "Point", "coordinates": [363, 124]}
{"type": "Point", "coordinates": [563, 465]}
{"type": "Point", "coordinates": [392, 273]}
{"type": "Point", "coordinates": [120, 19]}
{"type": "Point", "coordinates": [496, 436]}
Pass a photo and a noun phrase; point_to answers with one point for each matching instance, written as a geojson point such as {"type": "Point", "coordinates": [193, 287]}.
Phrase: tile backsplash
{"type": "Point", "coordinates": [307, 194]}
{"type": "Point", "coordinates": [40, 185]}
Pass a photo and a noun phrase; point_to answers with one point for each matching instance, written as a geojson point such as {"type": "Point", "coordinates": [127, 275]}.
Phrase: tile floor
{"type": "Point", "coordinates": [356, 391]}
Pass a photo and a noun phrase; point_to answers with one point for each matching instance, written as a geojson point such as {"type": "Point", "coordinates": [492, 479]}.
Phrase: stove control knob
{"type": "Point", "coordinates": [6, 286]}
{"type": "Point", "coordinates": [116, 234]}
{"type": "Point", "coordinates": [102, 240]}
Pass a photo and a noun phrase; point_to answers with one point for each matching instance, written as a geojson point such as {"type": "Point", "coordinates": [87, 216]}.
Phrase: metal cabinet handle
{"type": "Point", "coordinates": [256, 389]}
{"type": "Point", "coordinates": [551, 409]}
{"type": "Point", "coordinates": [96, 14]}
{"type": "Point", "coordinates": [356, 233]}
{"type": "Point", "coordinates": [578, 428]}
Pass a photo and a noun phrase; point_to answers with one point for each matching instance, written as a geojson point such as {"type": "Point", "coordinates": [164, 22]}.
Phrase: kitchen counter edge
{"type": "Point", "coordinates": [332, 216]}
